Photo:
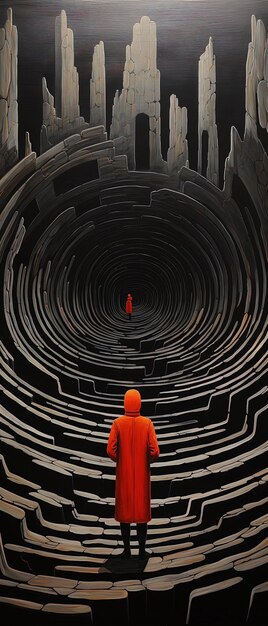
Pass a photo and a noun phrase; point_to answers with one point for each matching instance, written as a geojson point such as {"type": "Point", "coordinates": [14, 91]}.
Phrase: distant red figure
{"type": "Point", "coordinates": [129, 305]}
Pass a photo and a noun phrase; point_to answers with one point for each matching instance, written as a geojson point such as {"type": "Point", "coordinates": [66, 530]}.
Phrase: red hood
{"type": "Point", "coordinates": [132, 402]}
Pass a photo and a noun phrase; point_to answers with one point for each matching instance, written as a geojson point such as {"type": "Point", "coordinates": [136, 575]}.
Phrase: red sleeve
{"type": "Point", "coordinates": [112, 442]}
{"type": "Point", "coordinates": [153, 447]}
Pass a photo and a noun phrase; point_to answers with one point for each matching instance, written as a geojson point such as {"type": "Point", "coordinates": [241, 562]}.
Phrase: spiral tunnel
{"type": "Point", "coordinates": [185, 269]}
{"type": "Point", "coordinates": [78, 233]}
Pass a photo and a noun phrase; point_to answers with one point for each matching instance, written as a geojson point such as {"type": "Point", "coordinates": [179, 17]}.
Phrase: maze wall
{"type": "Point", "coordinates": [78, 231]}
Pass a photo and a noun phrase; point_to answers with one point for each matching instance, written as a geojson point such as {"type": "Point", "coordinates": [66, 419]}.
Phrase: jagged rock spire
{"type": "Point", "coordinates": [62, 118]}
{"type": "Point", "coordinates": [66, 75]}
{"type": "Point", "coordinates": [98, 87]}
{"type": "Point", "coordinates": [177, 156]}
{"type": "Point", "coordinates": [8, 95]}
{"type": "Point", "coordinates": [207, 114]}
{"type": "Point", "coordinates": [28, 144]}
{"type": "Point", "coordinates": [140, 94]}
{"type": "Point", "coordinates": [257, 78]}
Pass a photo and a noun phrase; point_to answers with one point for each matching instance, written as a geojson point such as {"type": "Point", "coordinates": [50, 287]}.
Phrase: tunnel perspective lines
{"type": "Point", "coordinates": [195, 260]}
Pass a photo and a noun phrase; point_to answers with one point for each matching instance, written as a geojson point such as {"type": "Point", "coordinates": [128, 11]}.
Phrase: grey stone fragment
{"type": "Point", "coordinates": [5, 74]}
{"type": "Point", "coordinates": [28, 145]}
{"type": "Point", "coordinates": [262, 95]}
{"type": "Point", "coordinates": [259, 48]}
{"type": "Point", "coordinates": [2, 37]}
{"type": "Point", "coordinates": [70, 141]}
{"type": "Point", "coordinates": [265, 64]}
{"type": "Point", "coordinates": [251, 83]}
{"type": "Point", "coordinates": [3, 120]}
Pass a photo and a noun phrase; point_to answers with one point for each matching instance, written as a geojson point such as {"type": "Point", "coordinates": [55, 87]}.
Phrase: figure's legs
{"type": "Point", "coordinates": [125, 531]}
{"type": "Point", "coordinates": [129, 316]}
{"type": "Point", "coordinates": [142, 533]}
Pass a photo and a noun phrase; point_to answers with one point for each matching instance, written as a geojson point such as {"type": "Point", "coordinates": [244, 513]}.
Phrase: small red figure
{"type": "Point", "coordinates": [129, 305]}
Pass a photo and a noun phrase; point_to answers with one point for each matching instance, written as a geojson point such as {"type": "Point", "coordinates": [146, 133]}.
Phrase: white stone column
{"type": "Point", "coordinates": [207, 113]}
{"type": "Point", "coordinates": [140, 94]}
{"type": "Point", "coordinates": [257, 79]}
{"type": "Point", "coordinates": [177, 156]}
{"type": "Point", "coordinates": [66, 75]}
{"type": "Point", "coordinates": [98, 87]}
{"type": "Point", "coordinates": [62, 119]}
{"type": "Point", "coordinates": [8, 95]}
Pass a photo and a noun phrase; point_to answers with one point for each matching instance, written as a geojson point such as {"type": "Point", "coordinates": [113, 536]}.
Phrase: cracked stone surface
{"type": "Point", "coordinates": [98, 87]}
{"type": "Point", "coordinates": [177, 156]}
{"type": "Point", "coordinates": [62, 118]}
{"type": "Point", "coordinates": [207, 113]}
{"type": "Point", "coordinates": [8, 95]}
{"type": "Point", "coordinates": [257, 78]}
{"type": "Point", "coordinates": [140, 94]}
{"type": "Point", "coordinates": [248, 159]}
{"type": "Point", "coordinates": [66, 75]}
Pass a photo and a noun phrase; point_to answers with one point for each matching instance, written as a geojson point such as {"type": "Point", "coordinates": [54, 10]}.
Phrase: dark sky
{"type": "Point", "coordinates": [183, 29]}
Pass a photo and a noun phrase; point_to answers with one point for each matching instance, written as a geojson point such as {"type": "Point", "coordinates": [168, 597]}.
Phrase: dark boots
{"type": "Point", "coordinates": [125, 532]}
{"type": "Point", "coordinates": [141, 534]}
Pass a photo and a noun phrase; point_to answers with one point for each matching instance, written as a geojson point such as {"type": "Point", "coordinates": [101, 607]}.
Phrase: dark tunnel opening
{"type": "Point", "coordinates": [142, 147]}
{"type": "Point", "coordinates": [204, 152]}
{"type": "Point", "coordinates": [76, 176]}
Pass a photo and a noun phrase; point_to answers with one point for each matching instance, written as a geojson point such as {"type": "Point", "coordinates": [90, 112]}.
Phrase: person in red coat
{"type": "Point", "coordinates": [129, 305]}
{"type": "Point", "coordinates": [133, 446]}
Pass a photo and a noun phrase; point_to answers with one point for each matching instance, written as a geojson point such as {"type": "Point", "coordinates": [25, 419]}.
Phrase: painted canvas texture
{"type": "Point", "coordinates": [133, 303]}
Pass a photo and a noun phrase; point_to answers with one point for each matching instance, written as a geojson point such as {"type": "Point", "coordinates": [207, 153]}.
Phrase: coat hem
{"type": "Point", "coordinates": [133, 521]}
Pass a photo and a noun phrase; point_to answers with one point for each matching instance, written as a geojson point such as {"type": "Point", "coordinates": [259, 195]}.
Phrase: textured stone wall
{"type": "Point", "coordinates": [66, 75]}
{"type": "Point", "coordinates": [8, 95]}
{"type": "Point", "coordinates": [177, 156]}
{"type": "Point", "coordinates": [140, 94]}
{"type": "Point", "coordinates": [98, 87]}
{"type": "Point", "coordinates": [62, 118]}
{"type": "Point", "coordinates": [52, 125]}
{"type": "Point", "coordinates": [247, 159]}
{"type": "Point", "coordinates": [207, 113]}
{"type": "Point", "coordinates": [257, 78]}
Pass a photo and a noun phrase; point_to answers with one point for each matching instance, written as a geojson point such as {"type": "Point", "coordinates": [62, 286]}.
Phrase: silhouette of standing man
{"type": "Point", "coordinates": [133, 446]}
{"type": "Point", "coordinates": [129, 305]}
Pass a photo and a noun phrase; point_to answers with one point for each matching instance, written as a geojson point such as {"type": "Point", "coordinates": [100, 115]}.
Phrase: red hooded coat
{"type": "Point", "coordinates": [129, 304]}
{"type": "Point", "coordinates": [133, 446]}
